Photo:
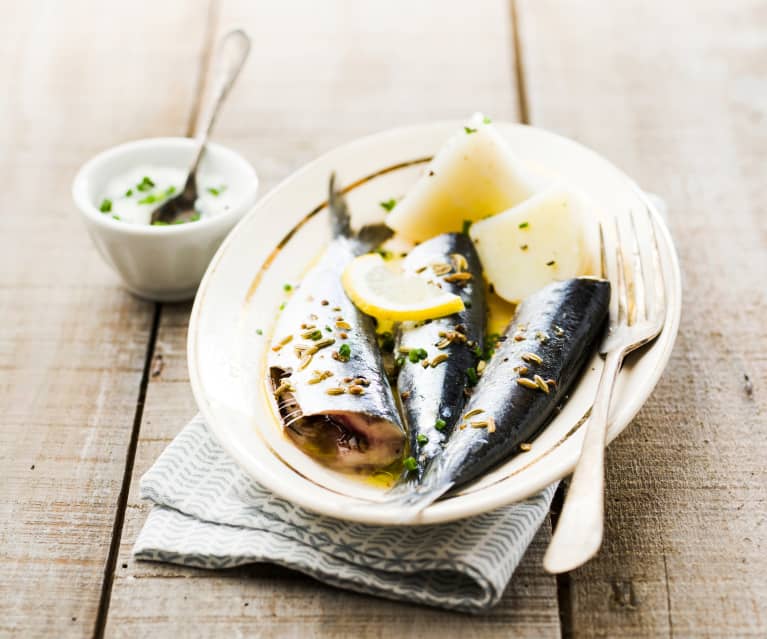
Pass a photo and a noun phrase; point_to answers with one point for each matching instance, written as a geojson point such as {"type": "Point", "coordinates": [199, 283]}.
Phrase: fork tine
{"type": "Point", "coordinates": [621, 278]}
{"type": "Point", "coordinates": [659, 310]}
{"type": "Point", "coordinates": [602, 254]}
{"type": "Point", "coordinates": [639, 274]}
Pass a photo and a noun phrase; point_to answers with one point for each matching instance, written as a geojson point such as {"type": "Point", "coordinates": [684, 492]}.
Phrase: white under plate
{"type": "Point", "coordinates": [275, 243]}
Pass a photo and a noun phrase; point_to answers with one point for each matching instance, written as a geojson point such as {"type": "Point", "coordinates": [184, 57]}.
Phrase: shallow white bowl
{"type": "Point", "coordinates": [162, 263]}
{"type": "Point", "coordinates": [237, 303]}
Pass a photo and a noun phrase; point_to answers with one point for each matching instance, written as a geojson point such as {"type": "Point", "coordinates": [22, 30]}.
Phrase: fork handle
{"type": "Point", "coordinates": [581, 522]}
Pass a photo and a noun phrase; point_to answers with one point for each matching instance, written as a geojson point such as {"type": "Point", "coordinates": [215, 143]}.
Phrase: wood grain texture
{"type": "Point", "coordinates": [321, 75]}
{"type": "Point", "coordinates": [674, 94]}
{"type": "Point", "coordinates": [75, 78]}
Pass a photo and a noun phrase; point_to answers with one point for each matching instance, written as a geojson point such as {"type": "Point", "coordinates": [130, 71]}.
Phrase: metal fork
{"type": "Point", "coordinates": [637, 320]}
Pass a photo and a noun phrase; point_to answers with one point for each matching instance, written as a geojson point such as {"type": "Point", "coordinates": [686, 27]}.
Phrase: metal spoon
{"type": "Point", "coordinates": [232, 53]}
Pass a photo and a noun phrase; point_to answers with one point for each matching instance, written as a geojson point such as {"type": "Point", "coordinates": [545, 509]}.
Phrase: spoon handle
{"type": "Point", "coordinates": [232, 52]}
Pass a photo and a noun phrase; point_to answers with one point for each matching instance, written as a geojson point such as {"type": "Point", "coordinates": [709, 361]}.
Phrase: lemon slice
{"type": "Point", "coordinates": [378, 290]}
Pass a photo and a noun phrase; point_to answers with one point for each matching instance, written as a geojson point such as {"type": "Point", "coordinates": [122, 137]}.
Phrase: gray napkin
{"type": "Point", "coordinates": [208, 513]}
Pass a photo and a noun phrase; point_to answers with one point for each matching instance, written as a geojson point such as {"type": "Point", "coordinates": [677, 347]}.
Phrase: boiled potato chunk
{"type": "Point", "coordinates": [474, 175]}
{"type": "Point", "coordinates": [546, 238]}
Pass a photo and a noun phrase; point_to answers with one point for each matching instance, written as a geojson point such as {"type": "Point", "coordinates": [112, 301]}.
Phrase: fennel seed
{"type": "Point", "coordinates": [285, 387]}
{"type": "Point", "coordinates": [459, 278]}
{"type": "Point", "coordinates": [438, 359]}
{"type": "Point", "coordinates": [281, 343]}
{"type": "Point", "coordinates": [440, 268]}
{"type": "Point", "coordinates": [318, 376]}
{"type": "Point", "coordinates": [459, 262]}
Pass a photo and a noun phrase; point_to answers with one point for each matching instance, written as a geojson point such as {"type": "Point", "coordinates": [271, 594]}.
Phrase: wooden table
{"type": "Point", "coordinates": [93, 382]}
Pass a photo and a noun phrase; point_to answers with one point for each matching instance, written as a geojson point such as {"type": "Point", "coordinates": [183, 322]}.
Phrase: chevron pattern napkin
{"type": "Point", "coordinates": [208, 513]}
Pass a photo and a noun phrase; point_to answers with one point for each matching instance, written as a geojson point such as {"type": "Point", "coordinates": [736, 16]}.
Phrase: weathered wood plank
{"type": "Point", "coordinates": [75, 77]}
{"type": "Point", "coordinates": [320, 75]}
{"type": "Point", "coordinates": [674, 93]}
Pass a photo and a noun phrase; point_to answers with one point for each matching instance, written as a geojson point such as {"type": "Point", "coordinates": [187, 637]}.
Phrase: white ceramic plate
{"type": "Point", "coordinates": [239, 297]}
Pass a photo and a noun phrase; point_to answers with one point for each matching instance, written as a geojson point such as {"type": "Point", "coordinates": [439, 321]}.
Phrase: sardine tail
{"type": "Point", "coordinates": [368, 237]}
{"type": "Point", "coordinates": [409, 500]}
{"type": "Point", "coordinates": [340, 220]}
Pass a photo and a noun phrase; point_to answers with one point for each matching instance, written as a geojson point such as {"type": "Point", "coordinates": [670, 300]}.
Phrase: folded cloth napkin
{"type": "Point", "coordinates": [208, 513]}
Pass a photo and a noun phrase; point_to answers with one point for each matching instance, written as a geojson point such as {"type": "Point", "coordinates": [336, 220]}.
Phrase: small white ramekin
{"type": "Point", "coordinates": [162, 263]}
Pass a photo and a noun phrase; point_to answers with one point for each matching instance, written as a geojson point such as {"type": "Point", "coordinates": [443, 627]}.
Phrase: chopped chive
{"type": "Point", "coordinates": [422, 439]}
{"type": "Point", "coordinates": [178, 222]}
{"type": "Point", "coordinates": [106, 206]}
{"type": "Point", "coordinates": [466, 227]}
{"type": "Point", "coordinates": [468, 129]}
{"type": "Point", "coordinates": [170, 191]}
{"type": "Point", "coordinates": [216, 191]}
{"type": "Point", "coordinates": [259, 331]}
{"type": "Point", "coordinates": [523, 225]}
{"type": "Point", "coordinates": [345, 351]}
{"type": "Point", "coordinates": [315, 335]}
{"type": "Point", "coordinates": [486, 120]}
{"type": "Point", "coordinates": [159, 223]}
{"type": "Point", "coordinates": [129, 192]}
{"type": "Point", "coordinates": [145, 184]}
{"type": "Point", "coordinates": [410, 463]}
{"type": "Point", "coordinates": [488, 351]}
{"type": "Point", "coordinates": [386, 342]}
{"type": "Point", "coordinates": [195, 217]}
{"type": "Point", "coordinates": [416, 355]}
{"type": "Point", "coordinates": [388, 205]}
{"type": "Point", "coordinates": [471, 376]}
{"type": "Point", "coordinates": [287, 287]}
{"type": "Point", "coordinates": [149, 199]}
{"type": "Point", "coordinates": [328, 329]}
{"type": "Point", "coordinates": [400, 361]}
{"type": "Point", "coordinates": [115, 217]}
{"type": "Point", "coordinates": [440, 424]}
{"type": "Point", "coordinates": [282, 306]}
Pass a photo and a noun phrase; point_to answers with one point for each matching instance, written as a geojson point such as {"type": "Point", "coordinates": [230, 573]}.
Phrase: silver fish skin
{"type": "Point", "coordinates": [338, 409]}
{"type": "Point", "coordinates": [550, 338]}
{"type": "Point", "coordinates": [436, 391]}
